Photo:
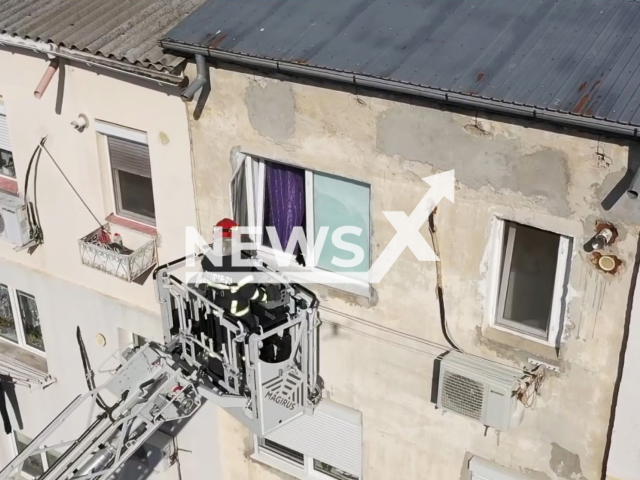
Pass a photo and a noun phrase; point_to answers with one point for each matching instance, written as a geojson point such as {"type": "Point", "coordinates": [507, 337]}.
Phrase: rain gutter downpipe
{"type": "Point", "coordinates": [201, 80]}
{"type": "Point", "coordinates": [46, 78]}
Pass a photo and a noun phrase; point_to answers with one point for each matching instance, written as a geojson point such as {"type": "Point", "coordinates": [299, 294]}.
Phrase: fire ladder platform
{"type": "Point", "coordinates": [264, 376]}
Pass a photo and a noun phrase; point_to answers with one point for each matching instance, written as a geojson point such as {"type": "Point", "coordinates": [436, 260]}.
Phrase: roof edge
{"type": "Point", "coordinates": [392, 86]}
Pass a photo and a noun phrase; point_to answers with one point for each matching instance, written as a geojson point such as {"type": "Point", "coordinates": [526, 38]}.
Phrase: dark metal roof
{"type": "Point", "coordinates": [124, 30]}
{"type": "Point", "coordinates": [577, 58]}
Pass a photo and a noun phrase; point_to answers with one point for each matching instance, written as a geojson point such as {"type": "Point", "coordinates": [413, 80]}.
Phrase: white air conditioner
{"type": "Point", "coordinates": [14, 226]}
{"type": "Point", "coordinates": [480, 390]}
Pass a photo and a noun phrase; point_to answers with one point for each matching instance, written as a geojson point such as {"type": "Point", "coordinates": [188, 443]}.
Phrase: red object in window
{"type": "Point", "coordinates": [227, 226]}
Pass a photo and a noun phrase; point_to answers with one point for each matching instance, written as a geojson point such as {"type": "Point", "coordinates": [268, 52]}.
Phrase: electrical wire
{"type": "Point", "coordinates": [71, 185]}
{"type": "Point", "coordinates": [408, 336]}
{"type": "Point", "coordinates": [439, 289]}
{"type": "Point", "coordinates": [88, 372]}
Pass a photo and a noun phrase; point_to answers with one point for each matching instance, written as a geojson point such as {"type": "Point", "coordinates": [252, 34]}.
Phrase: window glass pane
{"type": "Point", "coordinates": [338, 202]}
{"type": "Point", "coordinates": [282, 451]}
{"type": "Point", "coordinates": [136, 194]}
{"type": "Point", "coordinates": [6, 164]}
{"type": "Point", "coordinates": [284, 201]}
{"type": "Point", "coordinates": [33, 465]}
{"type": "Point", "coordinates": [530, 276]}
{"type": "Point", "coordinates": [30, 321]}
{"type": "Point", "coordinates": [332, 472]}
{"type": "Point", "coordinates": [7, 320]}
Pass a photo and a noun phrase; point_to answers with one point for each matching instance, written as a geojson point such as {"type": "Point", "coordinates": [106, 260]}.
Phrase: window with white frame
{"type": "Point", "coordinates": [7, 168]}
{"type": "Point", "coordinates": [481, 469]}
{"type": "Point", "coordinates": [530, 275]}
{"type": "Point", "coordinates": [19, 319]}
{"type": "Point", "coordinates": [131, 172]}
{"type": "Point", "coordinates": [305, 447]}
{"type": "Point", "coordinates": [283, 198]}
{"type": "Point", "coordinates": [36, 464]}
{"type": "Point", "coordinates": [299, 464]}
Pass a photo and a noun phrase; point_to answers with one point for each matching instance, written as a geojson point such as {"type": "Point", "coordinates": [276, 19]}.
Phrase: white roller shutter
{"type": "Point", "coordinates": [482, 469]}
{"type": "Point", "coordinates": [5, 143]}
{"type": "Point", "coordinates": [333, 435]}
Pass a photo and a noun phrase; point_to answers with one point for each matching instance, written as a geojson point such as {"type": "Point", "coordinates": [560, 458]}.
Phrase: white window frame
{"type": "Point", "coordinates": [495, 277]}
{"type": "Point", "coordinates": [481, 469]}
{"type": "Point", "coordinates": [271, 458]}
{"type": "Point", "coordinates": [357, 283]}
{"type": "Point", "coordinates": [19, 322]}
{"type": "Point", "coordinates": [111, 130]}
{"type": "Point", "coordinates": [3, 112]}
{"type": "Point", "coordinates": [14, 446]}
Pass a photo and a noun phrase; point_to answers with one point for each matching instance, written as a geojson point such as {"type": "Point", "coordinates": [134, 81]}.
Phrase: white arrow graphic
{"type": "Point", "coordinates": [408, 228]}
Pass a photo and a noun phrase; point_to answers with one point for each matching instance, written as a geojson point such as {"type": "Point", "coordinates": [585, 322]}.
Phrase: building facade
{"type": "Point", "coordinates": [519, 285]}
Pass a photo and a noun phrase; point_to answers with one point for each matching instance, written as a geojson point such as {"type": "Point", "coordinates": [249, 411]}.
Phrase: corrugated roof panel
{"type": "Point", "coordinates": [536, 53]}
{"type": "Point", "coordinates": [125, 30]}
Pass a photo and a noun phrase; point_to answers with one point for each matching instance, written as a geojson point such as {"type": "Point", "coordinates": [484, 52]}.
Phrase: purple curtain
{"type": "Point", "coordinates": [284, 200]}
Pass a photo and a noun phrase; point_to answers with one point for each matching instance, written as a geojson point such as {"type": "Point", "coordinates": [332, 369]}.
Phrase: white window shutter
{"type": "Point", "coordinates": [5, 143]}
{"type": "Point", "coordinates": [482, 469]}
{"type": "Point", "coordinates": [332, 435]}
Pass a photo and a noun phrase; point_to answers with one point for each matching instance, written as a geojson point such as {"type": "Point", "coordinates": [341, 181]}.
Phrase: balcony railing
{"type": "Point", "coordinates": [126, 258]}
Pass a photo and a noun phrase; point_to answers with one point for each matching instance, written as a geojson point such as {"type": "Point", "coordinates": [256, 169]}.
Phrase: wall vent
{"type": "Point", "coordinates": [480, 390]}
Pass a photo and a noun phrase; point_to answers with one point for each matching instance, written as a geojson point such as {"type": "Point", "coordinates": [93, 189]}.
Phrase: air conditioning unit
{"type": "Point", "coordinates": [14, 226]}
{"type": "Point", "coordinates": [480, 390]}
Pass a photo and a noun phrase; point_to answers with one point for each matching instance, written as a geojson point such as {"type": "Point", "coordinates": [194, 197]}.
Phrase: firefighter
{"type": "Point", "coordinates": [235, 285]}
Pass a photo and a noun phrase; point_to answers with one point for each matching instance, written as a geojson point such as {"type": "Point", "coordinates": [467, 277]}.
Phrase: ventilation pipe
{"type": "Point", "coordinates": [201, 79]}
{"type": "Point", "coordinates": [46, 78]}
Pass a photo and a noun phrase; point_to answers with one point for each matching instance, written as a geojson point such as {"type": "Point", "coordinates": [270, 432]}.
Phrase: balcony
{"type": "Point", "coordinates": [125, 256]}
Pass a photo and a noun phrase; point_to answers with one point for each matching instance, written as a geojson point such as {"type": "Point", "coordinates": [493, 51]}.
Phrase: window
{"type": "Point", "coordinates": [131, 172]}
{"type": "Point", "coordinates": [305, 447]}
{"type": "Point", "coordinates": [36, 464]}
{"type": "Point", "coordinates": [298, 464]}
{"type": "Point", "coordinates": [19, 319]}
{"type": "Point", "coordinates": [7, 168]}
{"type": "Point", "coordinates": [531, 280]}
{"type": "Point", "coordinates": [271, 194]}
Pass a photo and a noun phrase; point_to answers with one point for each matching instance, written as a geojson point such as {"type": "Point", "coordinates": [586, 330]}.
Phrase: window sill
{"type": "Point", "coordinates": [34, 360]}
{"type": "Point", "coordinates": [307, 276]}
{"type": "Point", "coordinates": [132, 225]}
{"type": "Point", "coordinates": [9, 185]}
{"type": "Point", "coordinates": [518, 342]}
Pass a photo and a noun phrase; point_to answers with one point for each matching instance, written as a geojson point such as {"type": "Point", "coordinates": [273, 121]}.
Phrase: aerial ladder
{"type": "Point", "coordinates": [264, 375]}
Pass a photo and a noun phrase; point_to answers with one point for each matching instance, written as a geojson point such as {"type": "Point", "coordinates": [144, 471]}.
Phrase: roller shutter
{"type": "Point", "coordinates": [128, 156]}
{"type": "Point", "coordinates": [482, 469]}
{"type": "Point", "coordinates": [332, 435]}
{"type": "Point", "coordinates": [5, 144]}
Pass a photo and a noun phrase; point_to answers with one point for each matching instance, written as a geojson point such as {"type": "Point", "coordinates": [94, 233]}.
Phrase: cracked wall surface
{"type": "Point", "coordinates": [543, 177]}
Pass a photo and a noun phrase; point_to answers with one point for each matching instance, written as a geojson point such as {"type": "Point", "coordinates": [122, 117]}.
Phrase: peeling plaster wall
{"type": "Point", "coordinates": [545, 178]}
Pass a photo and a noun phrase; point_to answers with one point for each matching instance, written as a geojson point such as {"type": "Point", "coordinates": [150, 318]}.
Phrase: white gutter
{"type": "Point", "coordinates": [54, 51]}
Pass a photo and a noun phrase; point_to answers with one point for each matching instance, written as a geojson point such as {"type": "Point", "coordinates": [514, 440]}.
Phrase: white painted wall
{"type": "Point", "coordinates": [64, 219]}
{"type": "Point", "coordinates": [68, 293]}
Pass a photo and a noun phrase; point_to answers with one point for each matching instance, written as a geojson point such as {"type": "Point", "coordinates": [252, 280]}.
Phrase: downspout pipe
{"type": "Point", "coordinates": [201, 79]}
{"type": "Point", "coordinates": [46, 78]}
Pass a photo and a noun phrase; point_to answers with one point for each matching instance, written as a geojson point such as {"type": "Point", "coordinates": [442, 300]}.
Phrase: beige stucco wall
{"type": "Point", "coordinates": [546, 178]}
